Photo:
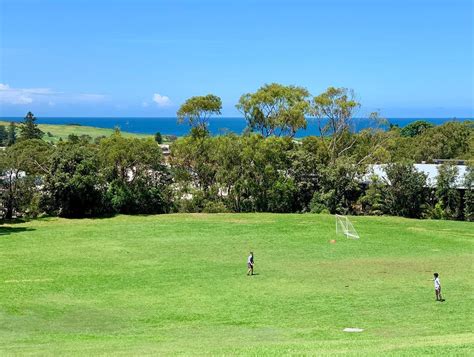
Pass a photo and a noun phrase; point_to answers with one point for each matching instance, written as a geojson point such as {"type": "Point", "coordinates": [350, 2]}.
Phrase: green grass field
{"type": "Point", "coordinates": [176, 284]}
{"type": "Point", "coordinates": [63, 131]}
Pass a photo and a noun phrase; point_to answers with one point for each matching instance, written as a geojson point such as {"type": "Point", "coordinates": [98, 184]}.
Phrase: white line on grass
{"type": "Point", "coordinates": [353, 329]}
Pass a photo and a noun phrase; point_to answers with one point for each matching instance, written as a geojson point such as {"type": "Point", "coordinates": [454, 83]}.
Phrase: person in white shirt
{"type": "Point", "coordinates": [250, 264]}
{"type": "Point", "coordinates": [437, 286]}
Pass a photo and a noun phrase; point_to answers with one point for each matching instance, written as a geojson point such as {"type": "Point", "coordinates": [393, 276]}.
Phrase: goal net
{"type": "Point", "coordinates": [345, 227]}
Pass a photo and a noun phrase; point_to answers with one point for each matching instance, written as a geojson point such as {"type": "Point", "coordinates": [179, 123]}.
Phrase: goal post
{"type": "Point", "coordinates": [344, 226]}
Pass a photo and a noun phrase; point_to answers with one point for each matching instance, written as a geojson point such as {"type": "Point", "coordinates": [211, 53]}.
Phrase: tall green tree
{"type": "Point", "coordinates": [370, 145]}
{"type": "Point", "coordinates": [406, 193]}
{"type": "Point", "coordinates": [308, 161]}
{"type": "Point", "coordinates": [335, 110]}
{"type": "Point", "coordinates": [372, 201]}
{"type": "Point", "coordinates": [3, 135]}
{"type": "Point", "coordinates": [197, 111]}
{"type": "Point", "coordinates": [446, 192]}
{"type": "Point", "coordinates": [11, 134]}
{"type": "Point", "coordinates": [340, 187]}
{"type": "Point", "coordinates": [29, 129]}
{"type": "Point", "coordinates": [194, 163]}
{"type": "Point", "coordinates": [452, 140]}
{"type": "Point", "coordinates": [22, 164]}
{"type": "Point", "coordinates": [415, 128]}
{"type": "Point", "coordinates": [263, 182]}
{"type": "Point", "coordinates": [136, 179]}
{"type": "Point", "coordinates": [469, 194]}
{"type": "Point", "coordinates": [158, 137]}
{"type": "Point", "coordinates": [275, 109]}
{"type": "Point", "coordinates": [246, 173]}
{"type": "Point", "coordinates": [73, 184]}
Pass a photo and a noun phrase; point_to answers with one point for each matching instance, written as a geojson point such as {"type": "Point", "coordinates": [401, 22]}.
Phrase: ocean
{"type": "Point", "coordinates": [221, 125]}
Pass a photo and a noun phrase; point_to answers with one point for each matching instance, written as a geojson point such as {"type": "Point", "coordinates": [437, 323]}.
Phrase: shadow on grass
{"type": "Point", "coordinates": [112, 215]}
{"type": "Point", "coordinates": [10, 230]}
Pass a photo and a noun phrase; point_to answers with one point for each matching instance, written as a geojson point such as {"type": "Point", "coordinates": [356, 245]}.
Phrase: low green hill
{"type": "Point", "coordinates": [54, 132]}
{"type": "Point", "coordinates": [177, 284]}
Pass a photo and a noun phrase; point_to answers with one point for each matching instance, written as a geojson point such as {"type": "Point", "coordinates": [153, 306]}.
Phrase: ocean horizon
{"type": "Point", "coordinates": [217, 125]}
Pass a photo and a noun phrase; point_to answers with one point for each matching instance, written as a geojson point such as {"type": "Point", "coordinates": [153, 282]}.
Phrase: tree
{"type": "Point", "coordinates": [400, 148]}
{"type": "Point", "coordinates": [446, 192]}
{"type": "Point", "coordinates": [127, 159]}
{"type": "Point", "coordinates": [469, 194]}
{"type": "Point", "coordinates": [158, 137]}
{"type": "Point", "coordinates": [334, 110]}
{"type": "Point", "coordinates": [339, 188]}
{"type": "Point", "coordinates": [372, 201]}
{"type": "Point", "coordinates": [275, 109]}
{"type": "Point", "coordinates": [406, 194]}
{"type": "Point", "coordinates": [370, 145]}
{"type": "Point", "coordinates": [308, 160]}
{"type": "Point", "coordinates": [415, 128]}
{"type": "Point", "coordinates": [228, 156]}
{"type": "Point", "coordinates": [263, 182]}
{"type": "Point", "coordinates": [15, 187]}
{"type": "Point", "coordinates": [73, 184]}
{"type": "Point", "coordinates": [246, 173]}
{"type": "Point", "coordinates": [11, 134]}
{"type": "Point", "coordinates": [136, 179]}
{"type": "Point", "coordinates": [194, 163]}
{"type": "Point", "coordinates": [452, 140]}
{"type": "Point", "coordinates": [196, 111]}
{"type": "Point", "coordinates": [252, 173]}
{"type": "Point", "coordinates": [22, 165]}
{"type": "Point", "coordinates": [29, 129]}
{"type": "Point", "coordinates": [3, 135]}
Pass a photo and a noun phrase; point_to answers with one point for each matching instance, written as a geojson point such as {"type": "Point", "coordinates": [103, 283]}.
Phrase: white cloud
{"type": "Point", "coordinates": [16, 98]}
{"type": "Point", "coordinates": [9, 95]}
{"type": "Point", "coordinates": [161, 100]}
{"type": "Point", "coordinates": [19, 96]}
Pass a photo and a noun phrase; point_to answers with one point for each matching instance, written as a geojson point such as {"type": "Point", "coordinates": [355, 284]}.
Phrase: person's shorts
{"type": "Point", "coordinates": [438, 290]}
{"type": "Point", "coordinates": [250, 266]}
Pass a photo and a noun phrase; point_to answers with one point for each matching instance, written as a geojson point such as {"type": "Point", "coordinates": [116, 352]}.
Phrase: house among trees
{"type": "Point", "coordinates": [431, 171]}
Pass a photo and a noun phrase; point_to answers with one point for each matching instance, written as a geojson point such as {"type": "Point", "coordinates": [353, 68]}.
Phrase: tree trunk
{"type": "Point", "coordinates": [9, 211]}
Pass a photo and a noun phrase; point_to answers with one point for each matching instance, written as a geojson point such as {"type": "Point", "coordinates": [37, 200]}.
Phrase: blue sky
{"type": "Point", "coordinates": [407, 58]}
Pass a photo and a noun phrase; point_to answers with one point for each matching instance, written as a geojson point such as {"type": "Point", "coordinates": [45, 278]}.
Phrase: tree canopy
{"type": "Point", "coordinates": [29, 129]}
{"type": "Point", "coordinates": [275, 109]}
{"type": "Point", "coordinates": [196, 111]}
{"type": "Point", "coordinates": [415, 128]}
{"type": "Point", "coordinates": [264, 170]}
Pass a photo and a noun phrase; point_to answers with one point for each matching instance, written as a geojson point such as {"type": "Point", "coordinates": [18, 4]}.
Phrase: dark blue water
{"type": "Point", "coordinates": [216, 125]}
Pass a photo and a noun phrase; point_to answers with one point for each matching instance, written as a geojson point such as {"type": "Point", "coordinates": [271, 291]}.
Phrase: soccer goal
{"type": "Point", "coordinates": [345, 227]}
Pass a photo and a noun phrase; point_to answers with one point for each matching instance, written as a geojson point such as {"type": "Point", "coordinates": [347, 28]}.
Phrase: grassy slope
{"type": "Point", "coordinates": [176, 284]}
{"type": "Point", "coordinates": [62, 131]}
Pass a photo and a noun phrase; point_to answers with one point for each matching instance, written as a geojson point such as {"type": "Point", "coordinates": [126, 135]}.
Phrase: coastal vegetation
{"type": "Point", "coordinates": [263, 170]}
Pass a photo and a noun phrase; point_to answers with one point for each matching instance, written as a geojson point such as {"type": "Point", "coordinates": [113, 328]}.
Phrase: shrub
{"type": "Point", "coordinates": [158, 138]}
{"type": "Point", "coordinates": [215, 207]}
{"type": "Point", "coordinates": [372, 201]}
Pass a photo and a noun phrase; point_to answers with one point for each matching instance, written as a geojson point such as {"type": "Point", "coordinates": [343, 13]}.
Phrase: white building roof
{"type": "Point", "coordinates": [430, 170]}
